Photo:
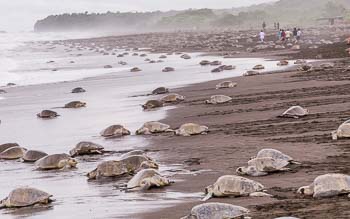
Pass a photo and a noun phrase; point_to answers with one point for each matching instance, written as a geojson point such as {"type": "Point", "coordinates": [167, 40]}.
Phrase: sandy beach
{"type": "Point", "coordinates": [238, 130]}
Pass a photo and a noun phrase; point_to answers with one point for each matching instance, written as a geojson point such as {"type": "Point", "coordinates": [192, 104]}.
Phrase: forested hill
{"type": "Point", "coordinates": [296, 12]}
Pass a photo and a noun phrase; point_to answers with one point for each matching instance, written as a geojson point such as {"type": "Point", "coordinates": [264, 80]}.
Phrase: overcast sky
{"type": "Point", "coordinates": [22, 14]}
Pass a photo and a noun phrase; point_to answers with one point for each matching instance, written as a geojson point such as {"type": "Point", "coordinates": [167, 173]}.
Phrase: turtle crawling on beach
{"type": "Point", "coordinates": [24, 197]}
{"type": "Point", "coordinates": [215, 210]}
{"type": "Point", "coordinates": [78, 90]}
{"type": "Point", "coordinates": [328, 185]}
{"type": "Point", "coordinates": [47, 114]}
{"type": "Point", "coordinates": [305, 67]}
{"type": "Point", "coordinates": [168, 69]}
{"type": "Point", "coordinates": [258, 67]}
{"type": "Point", "coordinates": [234, 186]}
{"type": "Point", "coordinates": [147, 179]}
{"type": "Point", "coordinates": [185, 56]}
{"type": "Point", "coordinates": [327, 65]}
{"type": "Point", "coordinates": [172, 98]}
{"type": "Point", "coordinates": [75, 104]}
{"type": "Point", "coordinates": [6, 146]}
{"type": "Point", "coordinates": [189, 129]}
{"type": "Point", "coordinates": [153, 127]}
{"type": "Point", "coordinates": [282, 63]}
{"type": "Point", "coordinates": [86, 148]}
{"type": "Point", "coordinates": [343, 131]}
{"type": "Point", "coordinates": [300, 62]}
{"type": "Point", "coordinates": [295, 112]}
{"type": "Point", "coordinates": [55, 161]}
{"type": "Point", "coordinates": [13, 153]}
{"type": "Point", "coordinates": [251, 73]}
{"type": "Point", "coordinates": [151, 104]}
{"type": "Point", "coordinates": [114, 131]}
{"type": "Point", "coordinates": [160, 90]}
{"type": "Point", "coordinates": [136, 69]}
{"type": "Point", "coordinates": [226, 84]}
{"type": "Point", "coordinates": [204, 62]}
{"type": "Point", "coordinates": [125, 166]}
{"type": "Point", "coordinates": [33, 155]}
{"type": "Point", "coordinates": [218, 99]}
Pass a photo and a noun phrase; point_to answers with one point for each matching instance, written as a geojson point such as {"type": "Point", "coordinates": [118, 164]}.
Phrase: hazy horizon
{"type": "Point", "coordinates": [19, 15]}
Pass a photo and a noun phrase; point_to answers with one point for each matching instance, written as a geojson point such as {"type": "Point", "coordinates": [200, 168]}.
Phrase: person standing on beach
{"type": "Point", "coordinates": [279, 34]}
{"type": "Point", "coordinates": [283, 35]}
{"type": "Point", "coordinates": [298, 34]}
{"type": "Point", "coordinates": [262, 36]}
{"type": "Point", "coordinates": [288, 34]}
{"type": "Point", "coordinates": [278, 25]}
{"type": "Point", "coordinates": [295, 32]}
{"type": "Point", "coordinates": [264, 25]}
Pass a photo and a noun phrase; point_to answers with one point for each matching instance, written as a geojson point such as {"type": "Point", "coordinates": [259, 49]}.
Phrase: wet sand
{"type": "Point", "coordinates": [250, 123]}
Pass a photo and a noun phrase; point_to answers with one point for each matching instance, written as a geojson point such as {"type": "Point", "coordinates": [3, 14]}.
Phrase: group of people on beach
{"type": "Point", "coordinates": [284, 35]}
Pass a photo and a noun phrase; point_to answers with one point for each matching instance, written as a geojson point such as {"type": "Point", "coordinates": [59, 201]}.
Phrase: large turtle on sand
{"type": "Point", "coordinates": [78, 90]}
{"type": "Point", "coordinates": [153, 127]}
{"type": "Point", "coordinates": [13, 153]}
{"type": "Point", "coordinates": [172, 98]}
{"type": "Point", "coordinates": [117, 168]}
{"type": "Point", "coordinates": [189, 129]}
{"type": "Point", "coordinates": [282, 63]}
{"type": "Point", "coordinates": [160, 90]}
{"type": "Point", "coordinates": [258, 67]}
{"type": "Point", "coordinates": [251, 73]}
{"type": "Point", "coordinates": [343, 131]}
{"type": "Point", "coordinates": [75, 104]}
{"type": "Point", "coordinates": [47, 114]}
{"type": "Point", "coordinates": [226, 84]}
{"type": "Point", "coordinates": [86, 148]}
{"type": "Point", "coordinates": [328, 185]}
{"type": "Point", "coordinates": [6, 146]}
{"type": "Point", "coordinates": [263, 166]}
{"type": "Point", "coordinates": [152, 104]}
{"type": "Point", "coordinates": [216, 210]}
{"type": "Point", "coordinates": [24, 197]}
{"type": "Point", "coordinates": [55, 161]}
{"type": "Point", "coordinates": [114, 131]}
{"type": "Point", "coordinates": [147, 179]}
{"type": "Point", "coordinates": [295, 112]}
{"type": "Point", "coordinates": [235, 186]}
{"type": "Point", "coordinates": [33, 155]}
{"type": "Point", "coordinates": [275, 154]}
{"type": "Point", "coordinates": [218, 99]}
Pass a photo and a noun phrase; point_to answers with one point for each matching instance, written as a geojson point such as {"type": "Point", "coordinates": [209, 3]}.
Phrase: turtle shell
{"type": "Point", "coordinates": [22, 197]}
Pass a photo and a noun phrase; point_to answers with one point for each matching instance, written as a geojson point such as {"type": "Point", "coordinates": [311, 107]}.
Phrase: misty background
{"type": "Point", "coordinates": [18, 15]}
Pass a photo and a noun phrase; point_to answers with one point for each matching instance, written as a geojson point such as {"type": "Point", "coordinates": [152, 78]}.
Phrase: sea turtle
{"type": "Point", "coordinates": [305, 67]}
{"type": "Point", "coordinates": [235, 186]}
{"type": "Point", "coordinates": [55, 161]}
{"type": "Point", "coordinates": [168, 69]}
{"type": "Point", "coordinates": [295, 112]}
{"type": "Point", "coordinates": [226, 84]}
{"type": "Point", "coordinates": [86, 148]}
{"type": "Point", "coordinates": [116, 168]}
{"type": "Point", "coordinates": [251, 73]}
{"type": "Point", "coordinates": [136, 69]}
{"type": "Point", "coordinates": [300, 62]}
{"type": "Point", "coordinates": [78, 90]}
{"type": "Point", "coordinates": [218, 99]}
{"type": "Point", "coordinates": [24, 197]}
{"type": "Point", "coordinates": [33, 155]}
{"type": "Point", "coordinates": [204, 62]}
{"type": "Point", "coordinates": [151, 104]}
{"type": "Point", "coordinates": [2, 91]}
{"type": "Point", "coordinates": [160, 90]}
{"type": "Point", "coordinates": [146, 179]}
{"type": "Point", "coordinates": [263, 166]}
{"type": "Point", "coordinates": [12, 153]}
{"type": "Point", "coordinates": [215, 63]}
{"type": "Point", "coordinates": [189, 129]}
{"type": "Point", "coordinates": [327, 65]}
{"type": "Point", "coordinates": [328, 185]}
{"type": "Point", "coordinates": [114, 131]}
{"type": "Point", "coordinates": [171, 98]}
{"type": "Point", "coordinates": [216, 70]}
{"type": "Point", "coordinates": [185, 56]}
{"type": "Point", "coordinates": [163, 57]}
{"type": "Point", "coordinates": [6, 146]}
{"type": "Point", "coordinates": [153, 127]}
{"type": "Point", "coordinates": [343, 131]}
{"type": "Point", "coordinates": [107, 66]}
{"type": "Point", "coordinates": [216, 210]}
{"type": "Point", "coordinates": [282, 63]}
{"type": "Point", "coordinates": [275, 154]}
{"type": "Point", "coordinates": [258, 67]}
{"type": "Point", "coordinates": [75, 104]}
{"type": "Point", "coordinates": [228, 67]}
{"type": "Point", "coordinates": [47, 114]}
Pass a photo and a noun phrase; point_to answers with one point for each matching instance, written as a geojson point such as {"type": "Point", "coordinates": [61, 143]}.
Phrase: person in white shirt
{"type": "Point", "coordinates": [288, 35]}
{"type": "Point", "coordinates": [299, 34]}
{"type": "Point", "coordinates": [262, 36]}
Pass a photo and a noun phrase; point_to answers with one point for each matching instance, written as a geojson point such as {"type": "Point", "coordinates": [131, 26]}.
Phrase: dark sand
{"type": "Point", "coordinates": [241, 128]}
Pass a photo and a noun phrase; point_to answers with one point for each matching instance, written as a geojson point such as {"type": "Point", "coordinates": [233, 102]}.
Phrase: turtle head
{"type": "Point", "coordinates": [306, 190]}
{"type": "Point", "coordinates": [92, 174]}
{"type": "Point", "coordinates": [142, 131]}
{"type": "Point", "coordinates": [209, 191]}
{"type": "Point", "coordinates": [72, 162]}
{"type": "Point", "coordinates": [149, 164]}
{"type": "Point", "coordinates": [335, 135]}
{"type": "Point", "coordinates": [125, 132]}
{"type": "Point", "coordinates": [207, 102]}
{"type": "Point", "coordinates": [242, 170]}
